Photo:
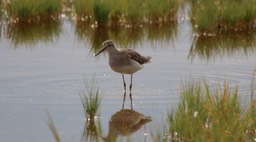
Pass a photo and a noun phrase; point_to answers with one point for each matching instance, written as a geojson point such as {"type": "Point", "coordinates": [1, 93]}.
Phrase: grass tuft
{"type": "Point", "coordinates": [90, 99]}
{"type": "Point", "coordinates": [101, 11]}
{"type": "Point", "coordinates": [31, 11]}
{"type": "Point", "coordinates": [205, 115]}
{"type": "Point", "coordinates": [221, 16]}
{"type": "Point", "coordinates": [126, 12]}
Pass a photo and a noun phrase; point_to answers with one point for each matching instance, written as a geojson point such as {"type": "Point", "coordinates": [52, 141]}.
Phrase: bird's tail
{"type": "Point", "coordinates": [148, 59]}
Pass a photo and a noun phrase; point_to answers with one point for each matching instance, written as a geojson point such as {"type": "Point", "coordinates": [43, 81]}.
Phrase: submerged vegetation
{"type": "Point", "coordinates": [218, 16]}
{"type": "Point", "coordinates": [206, 115]}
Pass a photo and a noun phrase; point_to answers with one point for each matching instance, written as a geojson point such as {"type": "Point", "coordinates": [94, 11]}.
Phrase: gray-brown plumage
{"type": "Point", "coordinates": [124, 61]}
{"type": "Point", "coordinates": [137, 57]}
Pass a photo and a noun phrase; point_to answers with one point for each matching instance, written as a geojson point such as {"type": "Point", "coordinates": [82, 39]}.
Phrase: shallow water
{"type": "Point", "coordinates": [45, 74]}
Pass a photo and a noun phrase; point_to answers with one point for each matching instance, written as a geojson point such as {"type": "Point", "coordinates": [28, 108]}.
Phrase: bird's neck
{"type": "Point", "coordinates": [113, 51]}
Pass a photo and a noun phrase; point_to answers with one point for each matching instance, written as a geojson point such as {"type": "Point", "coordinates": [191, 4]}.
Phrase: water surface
{"type": "Point", "coordinates": [42, 72]}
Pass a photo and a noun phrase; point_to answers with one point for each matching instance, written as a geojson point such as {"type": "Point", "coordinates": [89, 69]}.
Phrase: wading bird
{"type": "Point", "coordinates": [124, 61]}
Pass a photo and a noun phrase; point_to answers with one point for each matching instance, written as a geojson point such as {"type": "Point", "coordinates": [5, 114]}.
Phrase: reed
{"type": "Point", "coordinates": [101, 11]}
{"type": "Point", "coordinates": [159, 11]}
{"type": "Point", "coordinates": [206, 115]}
{"type": "Point", "coordinates": [83, 9]}
{"type": "Point", "coordinates": [217, 16]}
{"type": "Point", "coordinates": [127, 12]}
{"type": "Point", "coordinates": [29, 11]}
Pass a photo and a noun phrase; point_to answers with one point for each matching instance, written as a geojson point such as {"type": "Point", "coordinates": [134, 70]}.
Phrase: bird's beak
{"type": "Point", "coordinates": [100, 51]}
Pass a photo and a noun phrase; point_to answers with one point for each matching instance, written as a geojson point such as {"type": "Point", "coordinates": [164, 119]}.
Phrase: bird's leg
{"type": "Point", "coordinates": [131, 92]}
{"type": "Point", "coordinates": [131, 84]}
{"type": "Point", "coordinates": [124, 83]}
{"type": "Point", "coordinates": [124, 100]}
{"type": "Point", "coordinates": [131, 100]}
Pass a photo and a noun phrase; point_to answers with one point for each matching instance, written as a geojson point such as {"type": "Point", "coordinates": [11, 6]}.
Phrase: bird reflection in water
{"type": "Point", "coordinates": [125, 122]}
{"type": "Point", "coordinates": [122, 123]}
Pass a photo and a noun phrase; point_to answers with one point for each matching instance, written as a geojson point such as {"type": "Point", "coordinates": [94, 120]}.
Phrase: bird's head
{"type": "Point", "coordinates": [106, 45]}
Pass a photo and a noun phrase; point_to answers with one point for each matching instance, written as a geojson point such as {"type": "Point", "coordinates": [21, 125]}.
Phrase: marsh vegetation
{"type": "Point", "coordinates": [206, 114]}
{"type": "Point", "coordinates": [203, 112]}
{"type": "Point", "coordinates": [126, 13]}
{"type": "Point", "coordinates": [217, 17]}
{"type": "Point", "coordinates": [208, 18]}
{"type": "Point", "coordinates": [33, 11]}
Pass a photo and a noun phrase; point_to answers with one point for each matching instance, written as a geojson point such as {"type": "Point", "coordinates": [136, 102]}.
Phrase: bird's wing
{"type": "Point", "coordinates": [137, 57]}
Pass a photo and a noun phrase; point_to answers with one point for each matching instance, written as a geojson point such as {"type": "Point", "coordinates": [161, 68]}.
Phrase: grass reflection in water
{"type": "Point", "coordinates": [223, 45]}
{"type": "Point", "coordinates": [21, 35]}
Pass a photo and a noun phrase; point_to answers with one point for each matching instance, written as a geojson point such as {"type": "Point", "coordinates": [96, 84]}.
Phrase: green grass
{"type": "Point", "coordinates": [211, 115]}
{"type": "Point", "coordinates": [126, 12]}
{"type": "Point", "coordinates": [217, 16]}
{"type": "Point", "coordinates": [83, 9]}
{"type": "Point", "coordinates": [98, 12]}
{"type": "Point", "coordinates": [90, 99]}
{"type": "Point", "coordinates": [52, 127]}
{"type": "Point", "coordinates": [157, 11]}
{"type": "Point", "coordinates": [101, 10]}
{"type": "Point", "coordinates": [35, 10]}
